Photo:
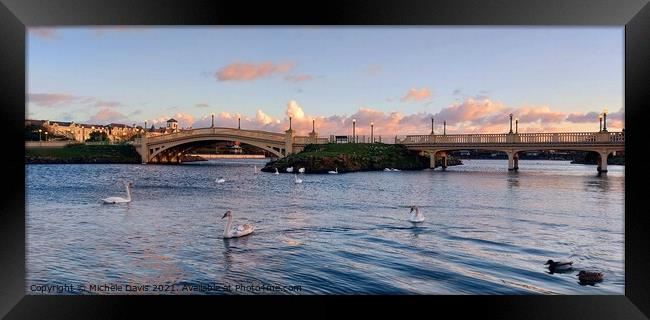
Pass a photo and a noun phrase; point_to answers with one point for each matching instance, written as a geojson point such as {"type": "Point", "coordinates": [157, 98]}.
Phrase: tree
{"type": "Point", "coordinates": [98, 136]}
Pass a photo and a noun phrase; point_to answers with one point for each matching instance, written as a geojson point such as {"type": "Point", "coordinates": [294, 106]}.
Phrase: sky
{"type": "Point", "coordinates": [552, 79]}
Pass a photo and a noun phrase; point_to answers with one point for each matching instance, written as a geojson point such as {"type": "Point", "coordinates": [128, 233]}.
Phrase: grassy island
{"type": "Point", "coordinates": [80, 153]}
{"type": "Point", "coordinates": [350, 157]}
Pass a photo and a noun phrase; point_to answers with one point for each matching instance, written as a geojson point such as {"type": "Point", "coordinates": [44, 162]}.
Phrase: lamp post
{"type": "Point", "coordinates": [372, 133]}
{"type": "Point", "coordinates": [431, 125]}
{"type": "Point", "coordinates": [145, 126]}
{"type": "Point", "coordinates": [239, 123]}
{"type": "Point", "coordinates": [354, 124]}
{"type": "Point", "coordinates": [444, 127]}
{"type": "Point", "coordinates": [289, 123]}
{"type": "Point", "coordinates": [212, 126]}
{"type": "Point", "coordinates": [313, 125]}
{"type": "Point", "coordinates": [516, 125]}
{"type": "Point", "coordinates": [45, 135]}
{"type": "Point", "coordinates": [510, 123]}
{"type": "Point", "coordinates": [40, 134]}
{"type": "Point", "coordinates": [83, 134]}
{"type": "Point", "coordinates": [605, 120]}
{"type": "Point", "coordinates": [600, 123]}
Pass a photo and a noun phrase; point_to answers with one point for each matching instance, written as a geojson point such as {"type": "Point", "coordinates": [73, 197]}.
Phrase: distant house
{"type": "Point", "coordinates": [172, 125]}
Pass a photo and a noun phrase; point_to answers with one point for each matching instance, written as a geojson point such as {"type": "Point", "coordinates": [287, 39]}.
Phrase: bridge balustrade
{"type": "Point", "coordinates": [255, 134]}
{"type": "Point", "coordinates": [528, 138]}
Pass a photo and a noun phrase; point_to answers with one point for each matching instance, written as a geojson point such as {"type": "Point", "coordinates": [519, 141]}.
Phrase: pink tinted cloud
{"type": "Point", "coordinates": [107, 104]}
{"type": "Point", "coordinates": [51, 99]}
{"type": "Point", "coordinates": [44, 33]}
{"type": "Point", "coordinates": [185, 120]}
{"type": "Point", "coordinates": [417, 95]}
{"type": "Point", "coordinates": [242, 71]}
{"type": "Point", "coordinates": [108, 115]}
{"type": "Point", "coordinates": [298, 78]}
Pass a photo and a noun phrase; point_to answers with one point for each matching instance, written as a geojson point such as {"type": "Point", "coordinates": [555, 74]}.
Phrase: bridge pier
{"type": "Point", "coordinates": [513, 160]}
{"type": "Point", "coordinates": [432, 160]}
{"type": "Point", "coordinates": [602, 161]}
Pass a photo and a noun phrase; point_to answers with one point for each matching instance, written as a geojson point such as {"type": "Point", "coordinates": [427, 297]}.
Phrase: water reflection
{"type": "Point", "coordinates": [513, 179]}
{"type": "Point", "coordinates": [599, 183]}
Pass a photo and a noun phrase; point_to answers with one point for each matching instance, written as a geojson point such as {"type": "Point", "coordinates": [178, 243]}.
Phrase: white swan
{"type": "Point", "coordinates": [296, 179]}
{"type": "Point", "coordinates": [301, 170]}
{"type": "Point", "coordinates": [276, 171]}
{"type": "Point", "coordinates": [333, 172]}
{"type": "Point", "coordinates": [255, 169]}
{"type": "Point", "coordinates": [387, 169]}
{"type": "Point", "coordinates": [112, 200]}
{"type": "Point", "coordinates": [290, 169]}
{"type": "Point", "coordinates": [396, 169]}
{"type": "Point", "coordinates": [417, 216]}
{"type": "Point", "coordinates": [236, 231]}
{"type": "Point", "coordinates": [220, 180]}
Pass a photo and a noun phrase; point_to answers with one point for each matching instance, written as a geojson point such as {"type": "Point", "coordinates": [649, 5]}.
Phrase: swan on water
{"type": "Point", "coordinates": [236, 231]}
{"type": "Point", "coordinates": [333, 172]}
{"type": "Point", "coordinates": [290, 169]}
{"type": "Point", "coordinates": [387, 169]}
{"type": "Point", "coordinates": [255, 169]}
{"type": "Point", "coordinates": [296, 179]}
{"type": "Point", "coordinates": [396, 169]}
{"type": "Point", "coordinates": [220, 180]}
{"type": "Point", "coordinates": [276, 171]}
{"type": "Point", "coordinates": [301, 170]}
{"type": "Point", "coordinates": [417, 216]}
{"type": "Point", "coordinates": [119, 199]}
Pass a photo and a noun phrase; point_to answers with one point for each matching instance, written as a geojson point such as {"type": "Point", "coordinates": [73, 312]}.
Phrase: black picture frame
{"type": "Point", "coordinates": [16, 15]}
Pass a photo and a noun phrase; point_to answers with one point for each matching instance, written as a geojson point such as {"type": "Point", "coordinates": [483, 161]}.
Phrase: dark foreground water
{"type": "Point", "coordinates": [487, 231]}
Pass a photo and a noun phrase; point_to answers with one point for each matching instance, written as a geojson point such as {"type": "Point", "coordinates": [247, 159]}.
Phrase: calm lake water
{"type": "Point", "coordinates": [487, 231]}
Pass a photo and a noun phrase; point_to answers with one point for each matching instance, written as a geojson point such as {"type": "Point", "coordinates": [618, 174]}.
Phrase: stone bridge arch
{"type": "Point", "coordinates": [169, 148]}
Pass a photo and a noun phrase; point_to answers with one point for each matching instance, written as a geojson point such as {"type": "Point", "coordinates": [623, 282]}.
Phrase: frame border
{"type": "Point", "coordinates": [17, 15]}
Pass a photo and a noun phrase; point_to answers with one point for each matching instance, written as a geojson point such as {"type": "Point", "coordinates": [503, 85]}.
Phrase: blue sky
{"type": "Point", "coordinates": [132, 74]}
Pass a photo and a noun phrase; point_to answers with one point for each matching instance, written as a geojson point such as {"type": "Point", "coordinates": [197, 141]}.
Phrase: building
{"type": "Point", "coordinates": [116, 132]}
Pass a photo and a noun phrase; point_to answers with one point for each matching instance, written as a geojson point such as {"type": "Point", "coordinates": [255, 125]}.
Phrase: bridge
{"type": "Point", "coordinates": [170, 148]}
{"type": "Point", "coordinates": [604, 143]}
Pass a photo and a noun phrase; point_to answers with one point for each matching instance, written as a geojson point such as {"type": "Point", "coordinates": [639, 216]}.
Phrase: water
{"type": "Point", "coordinates": [487, 231]}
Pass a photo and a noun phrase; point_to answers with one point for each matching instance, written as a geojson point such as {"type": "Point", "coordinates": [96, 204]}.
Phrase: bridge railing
{"type": "Point", "coordinates": [528, 138]}
{"type": "Point", "coordinates": [217, 130]}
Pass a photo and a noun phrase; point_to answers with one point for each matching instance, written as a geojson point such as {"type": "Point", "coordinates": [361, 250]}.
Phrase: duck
{"type": "Point", "coordinates": [559, 266]}
{"type": "Point", "coordinates": [236, 231]}
{"type": "Point", "coordinates": [590, 277]}
{"type": "Point", "coordinates": [417, 216]}
{"type": "Point", "coordinates": [220, 180]}
{"type": "Point", "coordinates": [333, 172]}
